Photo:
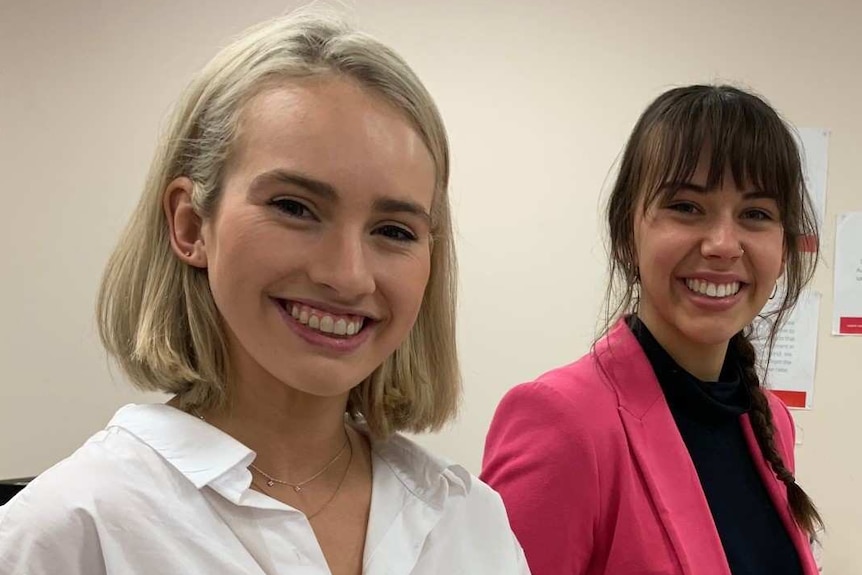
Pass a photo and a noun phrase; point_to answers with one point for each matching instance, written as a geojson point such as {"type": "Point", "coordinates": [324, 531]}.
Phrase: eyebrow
{"type": "Point", "coordinates": [754, 194]}
{"type": "Point", "coordinates": [328, 192]}
{"type": "Point", "coordinates": [316, 187]}
{"type": "Point", "coordinates": [393, 206]}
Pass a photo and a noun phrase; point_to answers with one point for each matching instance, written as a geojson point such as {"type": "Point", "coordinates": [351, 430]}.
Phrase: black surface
{"type": "Point", "coordinates": [10, 487]}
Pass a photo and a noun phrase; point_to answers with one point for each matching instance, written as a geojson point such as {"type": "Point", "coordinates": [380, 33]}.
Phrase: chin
{"type": "Point", "coordinates": [324, 389]}
{"type": "Point", "coordinates": [327, 392]}
{"type": "Point", "coordinates": [708, 340]}
{"type": "Point", "coordinates": [333, 385]}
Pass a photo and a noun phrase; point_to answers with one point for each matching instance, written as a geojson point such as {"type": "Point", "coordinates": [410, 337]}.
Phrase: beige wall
{"type": "Point", "coordinates": [538, 96]}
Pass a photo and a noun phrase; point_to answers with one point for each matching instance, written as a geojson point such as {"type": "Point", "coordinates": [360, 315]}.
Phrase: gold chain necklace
{"type": "Point", "coordinates": [270, 480]}
{"type": "Point", "coordinates": [297, 487]}
{"type": "Point", "coordinates": [337, 487]}
{"type": "Point", "coordinates": [334, 493]}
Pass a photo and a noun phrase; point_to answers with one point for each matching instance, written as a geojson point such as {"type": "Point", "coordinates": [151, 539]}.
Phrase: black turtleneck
{"type": "Point", "coordinates": [707, 415]}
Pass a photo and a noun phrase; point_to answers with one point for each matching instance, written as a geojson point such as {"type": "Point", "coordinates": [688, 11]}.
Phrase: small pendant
{"type": "Point", "coordinates": [270, 483]}
{"type": "Point", "coordinates": [297, 488]}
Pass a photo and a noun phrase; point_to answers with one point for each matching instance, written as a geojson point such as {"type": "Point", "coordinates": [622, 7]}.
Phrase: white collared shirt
{"type": "Point", "coordinates": [159, 492]}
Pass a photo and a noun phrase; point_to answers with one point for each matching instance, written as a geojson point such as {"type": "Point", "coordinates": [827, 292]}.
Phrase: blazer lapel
{"type": "Point", "coordinates": [778, 494]}
{"type": "Point", "coordinates": [661, 454]}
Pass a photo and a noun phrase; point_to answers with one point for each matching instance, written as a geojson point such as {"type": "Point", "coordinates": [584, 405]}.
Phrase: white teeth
{"type": "Point", "coordinates": [340, 327]}
{"type": "Point", "coordinates": [712, 290]}
{"type": "Point", "coordinates": [343, 326]}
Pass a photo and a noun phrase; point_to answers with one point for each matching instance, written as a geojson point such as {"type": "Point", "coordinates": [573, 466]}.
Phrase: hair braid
{"type": "Point", "coordinates": [803, 509]}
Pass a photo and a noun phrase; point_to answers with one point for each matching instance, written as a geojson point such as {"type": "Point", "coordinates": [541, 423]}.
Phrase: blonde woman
{"type": "Point", "coordinates": [288, 276]}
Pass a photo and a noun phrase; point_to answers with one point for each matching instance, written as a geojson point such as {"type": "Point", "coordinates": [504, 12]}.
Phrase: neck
{"type": "Point", "coordinates": [704, 361]}
{"type": "Point", "coordinates": [294, 434]}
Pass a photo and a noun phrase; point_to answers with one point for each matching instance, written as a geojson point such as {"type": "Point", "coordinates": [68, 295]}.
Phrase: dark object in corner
{"type": "Point", "coordinates": [9, 487]}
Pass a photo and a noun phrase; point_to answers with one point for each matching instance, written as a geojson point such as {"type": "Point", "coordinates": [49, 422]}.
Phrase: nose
{"type": "Point", "coordinates": [722, 239]}
{"type": "Point", "coordinates": [340, 263]}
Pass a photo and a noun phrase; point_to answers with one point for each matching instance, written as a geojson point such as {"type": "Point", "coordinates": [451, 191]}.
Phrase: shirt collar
{"type": "Point", "coordinates": [209, 457]}
{"type": "Point", "coordinates": [202, 453]}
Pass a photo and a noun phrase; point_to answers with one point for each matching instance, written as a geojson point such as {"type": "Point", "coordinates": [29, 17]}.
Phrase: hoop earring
{"type": "Point", "coordinates": [774, 291]}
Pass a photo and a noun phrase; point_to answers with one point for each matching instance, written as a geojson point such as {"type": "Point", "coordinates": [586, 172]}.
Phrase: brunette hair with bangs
{"type": "Point", "coordinates": [740, 133]}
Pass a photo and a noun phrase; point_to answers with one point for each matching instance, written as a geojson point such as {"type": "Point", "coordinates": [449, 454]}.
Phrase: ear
{"type": "Point", "coordinates": [184, 223]}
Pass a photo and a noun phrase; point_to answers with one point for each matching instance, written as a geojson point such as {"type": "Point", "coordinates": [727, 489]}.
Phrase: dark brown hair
{"type": "Point", "coordinates": [742, 134]}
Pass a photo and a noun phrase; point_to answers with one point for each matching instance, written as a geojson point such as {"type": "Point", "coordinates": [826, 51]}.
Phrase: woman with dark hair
{"type": "Point", "coordinates": [660, 451]}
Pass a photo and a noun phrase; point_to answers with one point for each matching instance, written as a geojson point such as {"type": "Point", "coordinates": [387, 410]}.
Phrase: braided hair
{"type": "Point", "coordinates": [802, 508]}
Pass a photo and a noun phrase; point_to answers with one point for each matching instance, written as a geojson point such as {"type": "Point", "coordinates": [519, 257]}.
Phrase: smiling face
{"type": "Point", "coordinates": [708, 260]}
{"type": "Point", "coordinates": [700, 159]}
{"type": "Point", "coordinates": [318, 254]}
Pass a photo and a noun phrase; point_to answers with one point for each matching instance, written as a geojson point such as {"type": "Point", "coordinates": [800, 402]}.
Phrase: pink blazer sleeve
{"type": "Point", "coordinates": [785, 431]}
{"type": "Point", "coordinates": [546, 472]}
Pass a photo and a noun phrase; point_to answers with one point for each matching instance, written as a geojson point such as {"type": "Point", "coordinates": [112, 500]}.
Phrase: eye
{"type": "Point", "coordinates": [684, 207]}
{"type": "Point", "coordinates": [397, 233]}
{"type": "Point", "coordinates": [292, 208]}
{"type": "Point", "coordinates": [758, 215]}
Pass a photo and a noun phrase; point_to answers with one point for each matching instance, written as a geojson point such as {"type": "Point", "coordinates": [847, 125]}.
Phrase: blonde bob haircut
{"type": "Point", "coordinates": [156, 315]}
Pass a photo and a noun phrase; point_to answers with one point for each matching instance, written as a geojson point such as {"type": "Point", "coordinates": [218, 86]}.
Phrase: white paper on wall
{"type": "Point", "coordinates": [815, 153]}
{"type": "Point", "coordinates": [793, 362]}
{"type": "Point", "coordinates": [847, 304]}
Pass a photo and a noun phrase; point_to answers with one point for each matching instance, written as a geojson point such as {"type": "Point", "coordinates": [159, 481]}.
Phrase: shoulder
{"type": "Point", "coordinates": [435, 480]}
{"type": "Point", "coordinates": [474, 534]}
{"type": "Point", "coordinates": [484, 504]}
{"type": "Point", "coordinates": [579, 378]}
{"type": "Point", "coordinates": [570, 384]}
{"type": "Point", "coordinates": [552, 434]}
{"type": "Point", "coordinates": [58, 517]}
{"type": "Point", "coordinates": [103, 468]}
{"type": "Point", "coordinates": [483, 517]}
{"type": "Point", "coordinates": [465, 519]}
{"type": "Point", "coordinates": [429, 477]}
{"type": "Point", "coordinates": [591, 388]}
{"type": "Point", "coordinates": [571, 398]}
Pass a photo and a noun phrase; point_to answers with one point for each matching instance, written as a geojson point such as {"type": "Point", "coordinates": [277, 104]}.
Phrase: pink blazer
{"type": "Point", "coordinates": [596, 477]}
